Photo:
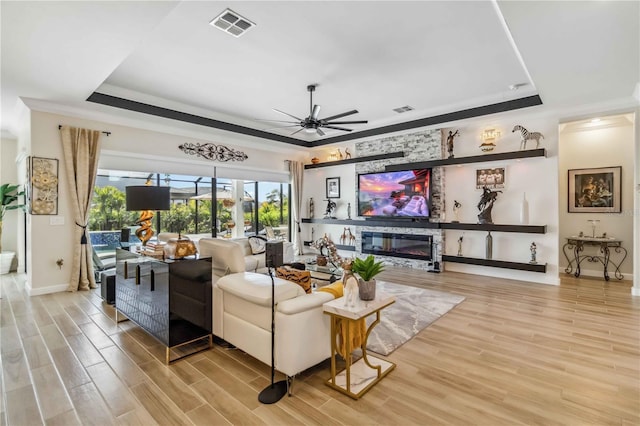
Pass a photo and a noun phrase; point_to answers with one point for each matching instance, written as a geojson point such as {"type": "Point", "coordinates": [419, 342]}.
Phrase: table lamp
{"type": "Point", "coordinates": [147, 199]}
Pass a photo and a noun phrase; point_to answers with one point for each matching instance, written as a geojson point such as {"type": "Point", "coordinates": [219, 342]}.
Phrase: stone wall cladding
{"type": "Point", "coordinates": [419, 146]}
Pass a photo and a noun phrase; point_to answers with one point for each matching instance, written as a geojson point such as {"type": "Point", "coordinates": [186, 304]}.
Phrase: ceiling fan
{"type": "Point", "coordinates": [313, 124]}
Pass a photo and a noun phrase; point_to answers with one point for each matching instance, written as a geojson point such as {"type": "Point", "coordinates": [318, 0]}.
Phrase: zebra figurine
{"type": "Point", "coordinates": [526, 135]}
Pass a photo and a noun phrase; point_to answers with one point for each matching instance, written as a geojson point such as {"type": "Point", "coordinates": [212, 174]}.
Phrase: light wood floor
{"type": "Point", "coordinates": [512, 352]}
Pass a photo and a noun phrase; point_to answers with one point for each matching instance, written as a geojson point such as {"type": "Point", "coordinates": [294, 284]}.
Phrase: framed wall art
{"type": "Point", "coordinates": [333, 187]}
{"type": "Point", "coordinates": [491, 178]}
{"type": "Point", "coordinates": [595, 190]}
{"type": "Point", "coordinates": [42, 192]}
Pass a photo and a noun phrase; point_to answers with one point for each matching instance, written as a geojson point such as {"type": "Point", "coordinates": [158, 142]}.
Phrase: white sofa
{"type": "Point", "coordinates": [242, 312]}
{"type": "Point", "coordinates": [252, 262]}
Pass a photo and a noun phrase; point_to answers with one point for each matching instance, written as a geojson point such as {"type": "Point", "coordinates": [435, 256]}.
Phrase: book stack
{"type": "Point", "coordinates": [155, 250]}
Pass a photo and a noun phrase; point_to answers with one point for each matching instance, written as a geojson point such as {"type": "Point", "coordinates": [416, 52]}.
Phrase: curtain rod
{"type": "Point", "coordinates": [103, 132]}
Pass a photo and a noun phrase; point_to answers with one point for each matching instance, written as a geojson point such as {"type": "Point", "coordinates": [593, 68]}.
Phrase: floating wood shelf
{"type": "Point", "coordinates": [540, 152]}
{"type": "Point", "coordinates": [376, 223]}
{"type": "Point", "coordinates": [338, 246]}
{"type": "Point", "coordinates": [356, 160]}
{"type": "Point", "coordinates": [524, 229]}
{"type": "Point", "coordinates": [496, 263]}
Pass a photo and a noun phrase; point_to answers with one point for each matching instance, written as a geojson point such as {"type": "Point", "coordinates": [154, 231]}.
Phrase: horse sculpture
{"type": "Point", "coordinates": [330, 210]}
{"type": "Point", "coordinates": [485, 205]}
{"type": "Point", "coordinates": [526, 135]}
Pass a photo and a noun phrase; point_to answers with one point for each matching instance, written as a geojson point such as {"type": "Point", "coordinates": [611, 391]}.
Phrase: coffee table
{"type": "Point", "coordinates": [327, 273]}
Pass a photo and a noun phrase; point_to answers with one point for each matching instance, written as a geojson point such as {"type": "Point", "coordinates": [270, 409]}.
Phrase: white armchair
{"type": "Point", "coordinates": [242, 312]}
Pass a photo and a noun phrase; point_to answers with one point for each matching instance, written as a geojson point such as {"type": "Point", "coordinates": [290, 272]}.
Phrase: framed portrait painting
{"type": "Point", "coordinates": [333, 187]}
{"type": "Point", "coordinates": [491, 178]}
{"type": "Point", "coordinates": [595, 190]}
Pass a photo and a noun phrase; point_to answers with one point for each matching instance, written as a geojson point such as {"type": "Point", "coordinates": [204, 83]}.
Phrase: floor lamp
{"type": "Point", "coordinates": [275, 391]}
{"type": "Point", "coordinates": [147, 199]}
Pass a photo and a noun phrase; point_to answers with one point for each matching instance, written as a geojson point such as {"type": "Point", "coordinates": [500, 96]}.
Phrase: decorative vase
{"type": "Point", "coordinates": [489, 246]}
{"type": "Point", "coordinates": [367, 289]}
{"type": "Point", "coordinates": [6, 258]}
{"type": "Point", "coordinates": [524, 210]}
{"type": "Point", "coordinates": [321, 260]}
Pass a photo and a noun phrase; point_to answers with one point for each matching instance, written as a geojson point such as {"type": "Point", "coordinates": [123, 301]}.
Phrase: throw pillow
{"type": "Point", "coordinates": [302, 278]}
{"type": "Point", "coordinates": [258, 245]}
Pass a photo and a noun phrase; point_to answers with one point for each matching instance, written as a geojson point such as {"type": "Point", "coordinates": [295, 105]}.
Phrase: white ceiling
{"type": "Point", "coordinates": [436, 56]}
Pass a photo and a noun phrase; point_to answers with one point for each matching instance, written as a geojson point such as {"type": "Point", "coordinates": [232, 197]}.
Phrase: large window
{"type": "Point", "coordinates": [239, 207]}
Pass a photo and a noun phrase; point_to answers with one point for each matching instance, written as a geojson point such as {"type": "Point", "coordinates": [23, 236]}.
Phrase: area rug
{"type": "Point", "coordinates": [415, 308]}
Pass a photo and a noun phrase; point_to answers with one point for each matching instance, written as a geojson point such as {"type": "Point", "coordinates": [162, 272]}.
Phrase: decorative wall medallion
{"type": "Point", "coordinates": [213, 152]}
{"type": "Point", "coordinates": [43, 181]}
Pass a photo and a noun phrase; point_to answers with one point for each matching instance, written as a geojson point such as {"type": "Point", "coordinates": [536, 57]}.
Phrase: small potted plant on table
{"type": "Point", "coordinates": [367, 269]}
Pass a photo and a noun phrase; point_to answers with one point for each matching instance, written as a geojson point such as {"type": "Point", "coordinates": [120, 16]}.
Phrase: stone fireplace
{"type": "Point", "coordinates": [419, 146]}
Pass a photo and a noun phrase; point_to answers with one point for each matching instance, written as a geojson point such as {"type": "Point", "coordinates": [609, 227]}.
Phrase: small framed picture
{"type": "Point", "coordinates": [491, 178]}
{"type": "Point", "coordinates": [333, 187]}
{"type": "Point", "coordinates": [595, 190]}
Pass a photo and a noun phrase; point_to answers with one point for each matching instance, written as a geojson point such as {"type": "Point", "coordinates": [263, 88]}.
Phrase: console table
{"type": "Point", "coordinates": [357, 378]}
{"type": "Point", "coordinates": [171, 300]}
{"type": "Point", "coordinates": [574, 252]}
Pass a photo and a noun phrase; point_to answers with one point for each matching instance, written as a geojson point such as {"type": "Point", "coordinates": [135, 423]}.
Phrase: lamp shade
{"type": "Point", "coordinates": [146, 197]}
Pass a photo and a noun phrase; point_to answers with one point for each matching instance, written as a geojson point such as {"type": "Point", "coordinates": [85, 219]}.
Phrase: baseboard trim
{"type": "Point", "coordinates": [595, 273]}
{"type": "Point", "coordinates": [45, 290]}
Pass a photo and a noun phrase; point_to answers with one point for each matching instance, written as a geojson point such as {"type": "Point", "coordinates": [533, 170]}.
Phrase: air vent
{"type": "Point", "coordinates": [232, 23]}
{"type": "Point", "coordinates": [405, 108]}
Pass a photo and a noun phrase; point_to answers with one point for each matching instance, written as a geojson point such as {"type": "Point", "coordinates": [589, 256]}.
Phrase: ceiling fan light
{"type": "Point", "coordinates": [309, 130]}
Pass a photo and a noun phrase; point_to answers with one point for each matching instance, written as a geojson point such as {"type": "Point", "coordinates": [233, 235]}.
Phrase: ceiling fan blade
{"type": "Point", "coordinates": [344, 114]}
{"type": "Point", "coordinates": [286, 113]}
{"type": "Point", "coordinates": [280, 127]}
{"type": "Point", "coordinates": [320, 132]}
{"type": "Point", "coordinates": [315, 112]}
{"type": "Point", "coordinates": [348, 122]}
{"type": "Point", "coordinates": [277, 121]}
{"type": "Point", "coordinates": [338, 128]}
{"type": "Point", "coordinates": [299, 130]}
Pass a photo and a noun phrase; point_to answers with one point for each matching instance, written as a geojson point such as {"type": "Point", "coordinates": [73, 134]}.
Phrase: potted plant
{"type": "Point", "coordinates": [8, 201]}
{"type": "Point", "coordinates": [367, 269]}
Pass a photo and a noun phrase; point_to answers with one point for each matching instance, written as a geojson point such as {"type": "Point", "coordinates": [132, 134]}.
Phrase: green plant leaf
{"type": "Point", "coordinates": [367, 268]}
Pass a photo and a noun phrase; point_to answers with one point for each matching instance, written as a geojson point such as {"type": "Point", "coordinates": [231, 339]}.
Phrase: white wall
{"type": "Point", "coordinates": [9, 174]}
{"type": "Point", "coordinates": [537, 177]}
{"type": "Point", "coordinates": [126, 149]}
{"type": "Point", "coordinates": [586, 145]}
{"type": "Point", "coordinates": [636, 225]}
{"type": "Point", "coordinates": [314, 186]}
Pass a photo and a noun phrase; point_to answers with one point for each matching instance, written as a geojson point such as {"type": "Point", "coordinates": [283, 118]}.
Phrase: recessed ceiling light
{"type": "Point", "coordinates": [232, 23]}
{"type": "Point", "coordinates": [405, 108]}
{"type": "Point", "coordinates": [595, 120]}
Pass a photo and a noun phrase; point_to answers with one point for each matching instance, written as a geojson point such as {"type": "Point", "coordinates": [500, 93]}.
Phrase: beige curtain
{"type": "Point", "coordinates": [296, 169]}
{"type": "Point", "coordinates": [81, 149]}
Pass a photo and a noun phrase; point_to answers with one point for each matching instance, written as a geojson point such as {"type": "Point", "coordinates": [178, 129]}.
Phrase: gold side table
{"type": "Point", "coordinates": [357, 378]}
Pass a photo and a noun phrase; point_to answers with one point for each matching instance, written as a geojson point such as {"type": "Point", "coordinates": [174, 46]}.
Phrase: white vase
{"type": "Point", "coordinates": [524, 210]}
{"type": "Point", "coordinates": [6, 257]}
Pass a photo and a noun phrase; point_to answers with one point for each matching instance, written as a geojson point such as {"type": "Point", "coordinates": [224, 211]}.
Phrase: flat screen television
{"type": "Point", "coordinates": [395, 194]}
